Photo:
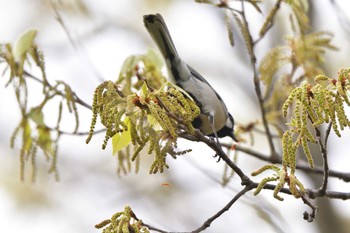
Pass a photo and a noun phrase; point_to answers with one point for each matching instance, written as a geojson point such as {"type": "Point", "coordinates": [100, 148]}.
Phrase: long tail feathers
{"type": "Point", "coordinates": [159, 32]}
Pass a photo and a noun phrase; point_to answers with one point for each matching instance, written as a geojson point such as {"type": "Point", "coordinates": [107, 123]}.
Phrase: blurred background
{"type": "Point", "coordinates": [97, 38]}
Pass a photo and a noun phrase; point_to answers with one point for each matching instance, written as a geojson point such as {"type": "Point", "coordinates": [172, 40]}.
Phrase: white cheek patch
{"type": "Point", "coordinates": [229, 123]}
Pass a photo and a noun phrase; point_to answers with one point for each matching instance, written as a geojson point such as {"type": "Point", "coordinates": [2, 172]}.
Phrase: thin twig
{"type": "Point", "coordinates": [257, 85]}
{"type": "Point", "coordinates": [79, 133]}
{"type": "Point", "coordinates": [314, 193]}
{"type": "Point", "coordinates": [328, 132]}
{"type": "Point", "coordinates": [251, 185]}
{"type": "Point", "coordinates": [76, 97]}
{"type": "Point", "coordinates": [199, 137]}
{"type": "Point", "coordinates": [81, 102]}
{"type": "Point", "coordinates": [259, 155]}
{"type": "Point", "coordinates": [319, 170]}
{"type": "Point", "coordinates": [245, 180]}
{"type": "Point", "coordinates": [323, 149]}
{"type": "Point", "coordinates": [303, 167]}
{"type": "Point", "coordinates": [309, 216]}
{"type": "Point", "coordinates": [210, 220]}
{"type": "Point", "coordinates": [152, 228]}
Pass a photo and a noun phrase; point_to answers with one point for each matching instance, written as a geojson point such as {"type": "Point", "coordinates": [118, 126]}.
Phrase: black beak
{"type": "Point", "coordinates": [232, 135]}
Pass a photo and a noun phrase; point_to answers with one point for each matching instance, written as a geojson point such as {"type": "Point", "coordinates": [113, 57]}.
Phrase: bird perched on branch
{"type": "Point", "coordinates": [214, 120]}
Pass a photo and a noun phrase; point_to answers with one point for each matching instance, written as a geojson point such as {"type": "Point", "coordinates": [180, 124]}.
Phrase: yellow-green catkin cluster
{"type": "Point", "coordinates": [123, 222]}
{"type": "Point", "coordinates": [180, 106]}
{"type": "Point", "coordinates": [310, 105]}
{"type": "Point", "coordinates": [285, 67]}
{"type": "Point", "coordinates": [110, 106]}
{"type": "Point", "coordinates": [299, 125]}
{"type": "Point", "coordinates": [144, 112]}
{"type": "Point", "coordinates": [156, 124]}
{"type": "Point", "coordinates": [322, 102]}
{"type": "Point", "coordinates": [282, 177]}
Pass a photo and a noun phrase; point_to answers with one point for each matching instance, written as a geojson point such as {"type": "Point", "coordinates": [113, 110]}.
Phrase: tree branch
{"type": "Point", "coordinates": [256, 81]}
{"type": "Point", "coordinates": [309, 216]}
{"type": "Point", "coordinates": [329, 194]}
{"type": "Point", "coordinates": [79, 133]}
{"type": "Point", "coordinates": [323, 148]}
{"type": "Point", "coordinates": [77, 98]}
{"type": "Point", "coordinates": [199, 137]}
{"type": "Point", "coordinates": [208, 222]}
{"type": "Point", "coordinates": [303, 167]}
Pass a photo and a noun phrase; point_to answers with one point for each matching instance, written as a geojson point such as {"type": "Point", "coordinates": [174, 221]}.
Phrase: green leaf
{"type": "Point", "coordinates": [37, 116]}
{"type": "Point", "coordinates": [23, 44]}
{"type": "Point", "coordinates": [144, 90]}
{"type": "Point", "coordinates": [121, 140]}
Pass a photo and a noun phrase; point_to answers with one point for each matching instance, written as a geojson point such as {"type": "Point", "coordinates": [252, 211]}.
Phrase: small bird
{"type": "Point", "coordinates": [214, 119]}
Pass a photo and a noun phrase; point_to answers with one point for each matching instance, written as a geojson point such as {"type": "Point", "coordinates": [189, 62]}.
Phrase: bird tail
{"type": "Point", "coordinates": [158, 30]}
